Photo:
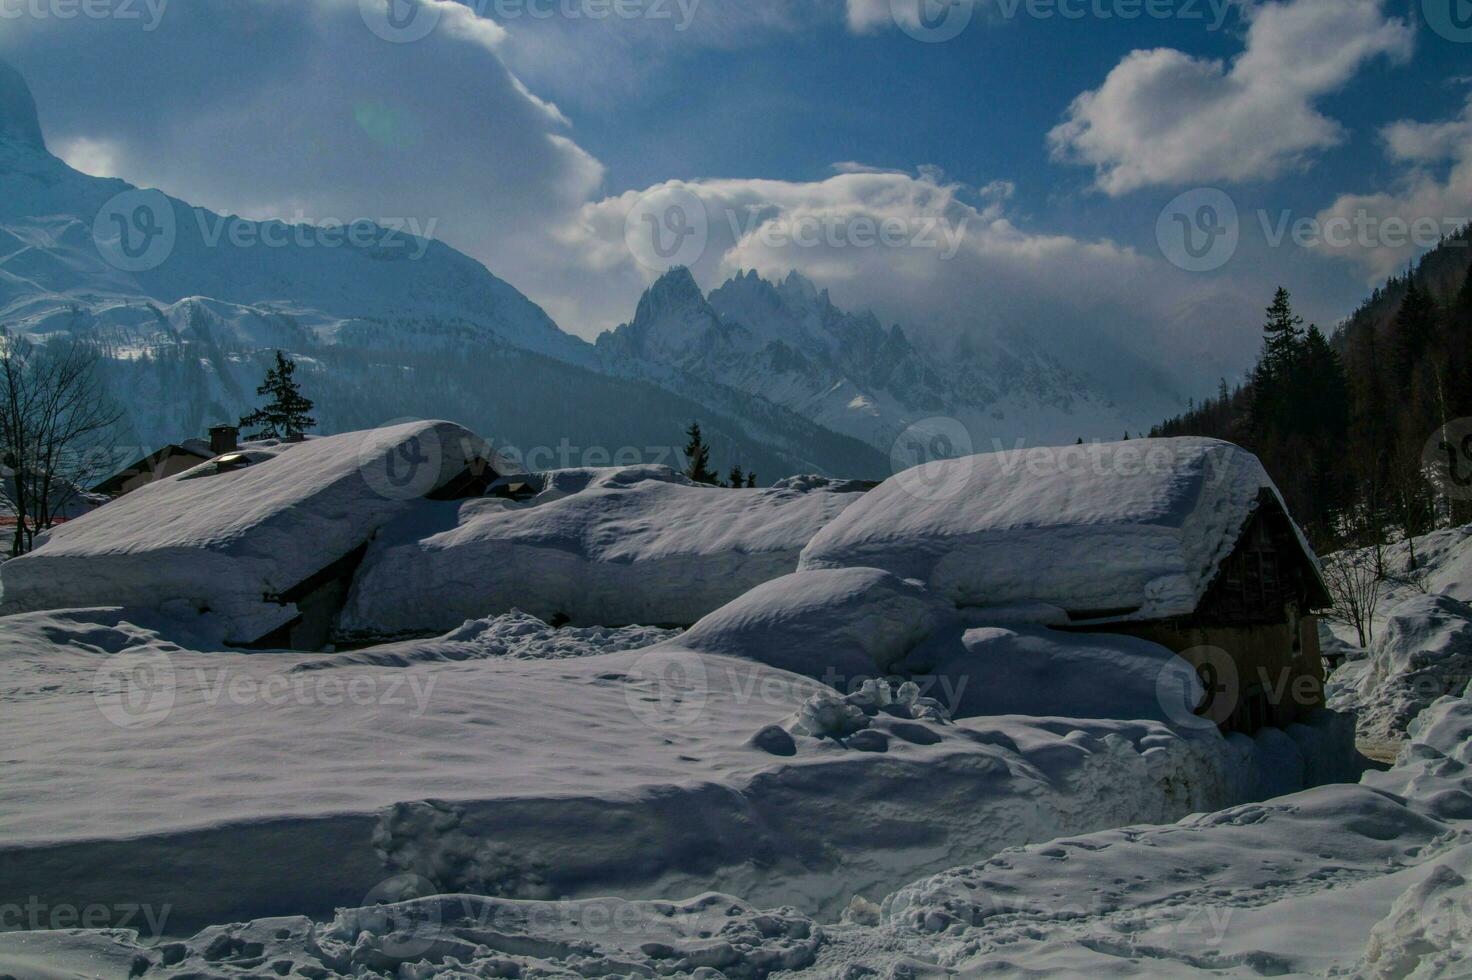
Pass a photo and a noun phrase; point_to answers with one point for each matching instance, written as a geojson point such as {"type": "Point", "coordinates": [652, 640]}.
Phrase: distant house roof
{"type": "Point", "coordinates": [1132, 530]}
{"type": "Point", "coordinates": [156, 465]}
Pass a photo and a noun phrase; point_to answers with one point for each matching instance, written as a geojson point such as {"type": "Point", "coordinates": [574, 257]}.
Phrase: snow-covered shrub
{"type": "Point", "coordinates": [828, 714]}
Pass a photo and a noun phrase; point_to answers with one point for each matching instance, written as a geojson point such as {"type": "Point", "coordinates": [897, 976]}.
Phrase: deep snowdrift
{"type": "Point", "coordinates": [226, 543]}
{"type": "Point", "coordinates": [596, 547]}
{"type": "Point", "coordinates": [1367, 879]}
{"type": "Point", "coordinates": [1022, 670]}
{"type": "Point", "coordinates": [1422, 651]}
{"type": "Point", "coordinates": [501, 768]}
{"type": "Point", "coordinates": [1370, 880]}
{"type": "Point", "coordinates": [1139, 525]}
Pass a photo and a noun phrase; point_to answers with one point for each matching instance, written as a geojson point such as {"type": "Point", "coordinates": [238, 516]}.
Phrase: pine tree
{"type": "Point", "coordinates": [1282, 335]}
{"type": "Point", "coordinates": [1456, 396]}
{"type": "Point", "coordinates": [1273, 380]}
{"type": "Point", "coordinates": [1411, 334]}
{"type": "Point", "coordinates": [285, 415]}
{"type": "Point", "coordinates": [1463, 303]}
{"type": "Point", "coordinates": [1321, 413]}
{"type": "Point", "coordinates": [736, 478]}
{"type": "Point", "coordinates": [751, 481]}
{"type": "Point", "coordinates": [697, 456]}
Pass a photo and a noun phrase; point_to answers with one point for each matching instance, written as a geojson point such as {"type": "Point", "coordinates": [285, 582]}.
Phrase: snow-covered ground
{"type": "Point", "coordinates": [510, 759]}
{"type": "Point", "coordinates": [837, 771]}
{"type": "Point", "coordinates": [1369, 879]}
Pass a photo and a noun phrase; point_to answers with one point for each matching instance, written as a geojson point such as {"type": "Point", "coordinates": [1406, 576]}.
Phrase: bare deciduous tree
{"type": "Point", "coordinates": [1355, 582]}
{"type": "Point", "coordinates": [54, 419]}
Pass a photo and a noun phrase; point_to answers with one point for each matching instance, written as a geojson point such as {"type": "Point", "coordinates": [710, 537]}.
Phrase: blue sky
{"type": "Point", "coordinates": [1052, 144]}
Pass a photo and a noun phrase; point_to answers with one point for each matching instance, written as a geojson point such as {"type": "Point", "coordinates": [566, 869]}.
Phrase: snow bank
{"type": "Point", "coordinates": [1368, 880]}
{"type": "Point", "coordinates": [228, 542]}
{"type": "Point", "coordinates": [595, 547]}
{"type": "Point", "coordinates": [537, 779]}
{"type": "Point", "coordinates": [1295, 885]}
{"type": "Point", "coordinates": [708, 936]}
{"type": "Point", "coordinates": [1139, 525]}
{"type": "Point", "coordinates": [495, 763]}
{"type": "Point", "coordinates": [513, 636]}
{"type": "Point", "coordinates": [1421, 651]}
{"type": "Point", "coordinates": [841, 625]}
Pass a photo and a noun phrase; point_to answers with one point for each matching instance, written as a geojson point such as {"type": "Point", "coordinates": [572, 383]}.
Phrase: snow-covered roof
{"type": "Point", "coordinates": [228, 540]}
{"type": "Point", "coordinates": [598, 546]}
{"type": "Point", "coordinates": [1134, 529]}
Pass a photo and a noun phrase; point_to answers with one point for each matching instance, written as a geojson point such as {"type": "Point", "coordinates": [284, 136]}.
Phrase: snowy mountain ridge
{"type": "Point", "coordinates": [782, 378]}
{"type": "Point", "coordinates": [386, 324]}
{"type": "Point", "coordinates": [788, 343]}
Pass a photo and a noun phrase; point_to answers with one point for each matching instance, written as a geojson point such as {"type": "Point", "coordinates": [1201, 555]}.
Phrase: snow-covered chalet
{"type": "Point", "coordinates": [1184, 542]}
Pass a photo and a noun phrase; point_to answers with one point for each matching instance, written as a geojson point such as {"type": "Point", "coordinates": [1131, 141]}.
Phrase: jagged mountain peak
{"type": "Point", "coordinates": [673, 320]}
{"type": "Point", "coordinates": [676, 288]}
{"type": "Point", "coordinates": [798, 286]}
{"type": "Point", "coordinates": [784, 340]}
{"type": "Point", "coordinates": [795, 292]}
{"type": "Point", "coordinates": [19, 122]}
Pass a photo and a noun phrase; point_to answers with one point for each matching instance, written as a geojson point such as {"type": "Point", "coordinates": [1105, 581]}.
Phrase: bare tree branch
{"type": "Point", "coordinates": [54, 418]}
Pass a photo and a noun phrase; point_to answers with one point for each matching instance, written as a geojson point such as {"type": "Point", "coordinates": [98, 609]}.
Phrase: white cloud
{"type": "Point", "coordinates": [1165, 117]}
{"type": "Point", "coordinates": [95, 157]}
{"type": "Point", "coordinates": [864, 16]}
{"type": "Point", "coordinates": [958, 263]}
{"type": "Point", "coordinates": [324, 119]}
{"type": "Point", "coordinates": [1383, 232]}
{"type": "Point", "coordinates": [297, 110]}
{"type": "Point", "coordinates": [633, 51]}
{"type": "Point", "coordinates": [1430, 142]}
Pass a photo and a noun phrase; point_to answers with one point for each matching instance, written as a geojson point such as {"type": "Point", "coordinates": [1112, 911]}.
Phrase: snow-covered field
{"type": "Point", "coordinates": [509, 759]}
{"type": "Point", "coordinates": [833, 772]}
{"type": "Point", "coordinates": [1367, 879]}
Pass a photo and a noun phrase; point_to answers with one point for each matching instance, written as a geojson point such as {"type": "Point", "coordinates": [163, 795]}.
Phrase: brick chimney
{"type": "Point", "coordinates": [224, 439]}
